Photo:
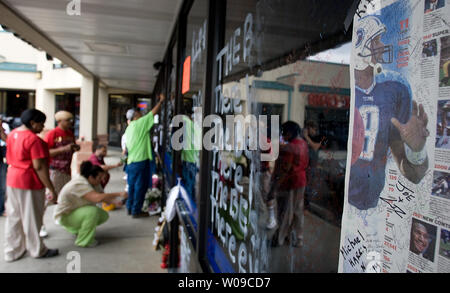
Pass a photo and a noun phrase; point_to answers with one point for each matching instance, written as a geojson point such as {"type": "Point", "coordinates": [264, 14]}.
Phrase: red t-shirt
{"type": "Point", "coordinates": [96, 160]}
{"type": "Point", "coordinates": [294, 153]}
{"type": "Point", "coordinates": [24, 147]}
{"type": "Point", "coordinates": [56, 138]}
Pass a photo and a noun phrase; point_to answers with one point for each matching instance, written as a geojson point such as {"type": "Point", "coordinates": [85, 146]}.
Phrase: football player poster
{"type": "Point", "coordinates": [391, 149]}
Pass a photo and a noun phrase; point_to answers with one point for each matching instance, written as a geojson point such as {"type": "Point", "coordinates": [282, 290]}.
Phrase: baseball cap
{"type": "Point", "coordinates": [130, 114]}
{"type": "Point", "coordinates": [63, 115]}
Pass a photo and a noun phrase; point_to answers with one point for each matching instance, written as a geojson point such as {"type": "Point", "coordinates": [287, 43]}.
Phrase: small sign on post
{"type": "Point", "coordinates": [186, 75]}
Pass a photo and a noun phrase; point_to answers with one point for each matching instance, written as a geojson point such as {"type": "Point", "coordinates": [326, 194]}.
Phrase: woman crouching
{"type": "Point", "coordinates": [76, 210]}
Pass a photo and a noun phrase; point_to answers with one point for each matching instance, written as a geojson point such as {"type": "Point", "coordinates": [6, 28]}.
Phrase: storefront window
{"type": "Point", "coordinates": [118, 106]}
{"type": "Point", "coordinates": [13, 103]}
{"type": "Point", "coordinates": [193, 97]}
{"type": "Point", "coordinates": [167, 113]}
{"type": "Point", "coordinates": [299, 111]}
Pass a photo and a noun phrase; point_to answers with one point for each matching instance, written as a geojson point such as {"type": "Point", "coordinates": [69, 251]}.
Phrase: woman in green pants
{"type": "Point", "coordinates": [77, 211]}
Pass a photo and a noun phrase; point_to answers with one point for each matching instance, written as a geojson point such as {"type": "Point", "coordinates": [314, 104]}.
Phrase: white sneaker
{"type": "Point", "coordinates": [43, 233]}
{"type": "Point", "coordinates": [272, 223]}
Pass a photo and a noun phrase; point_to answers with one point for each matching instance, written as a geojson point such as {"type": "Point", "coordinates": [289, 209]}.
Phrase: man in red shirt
{"type": "Point", "coordinates": [27, 156]}
{"type": "Point", "coordinates": [98, 159]}
{"type": "Point", "coordinates": [288, 184]}
{"type": "Point", "coordinates": [61, 144]}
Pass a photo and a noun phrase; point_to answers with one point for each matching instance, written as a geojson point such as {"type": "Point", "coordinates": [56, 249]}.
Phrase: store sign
{"type": "Point", "coordinates": [143, 105]}
{"type": "Point", "coordinates": [13, 66]}
{"type": "Point", "coordinates": [328, 100]}
{"type": "Point", "coordinates": [186, 75]}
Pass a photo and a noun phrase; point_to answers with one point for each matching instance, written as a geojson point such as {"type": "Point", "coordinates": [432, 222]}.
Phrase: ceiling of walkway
{"type": "Point", "coordinates": [119, 41]}
{"type": "Point", "coordinates": [116, 40]}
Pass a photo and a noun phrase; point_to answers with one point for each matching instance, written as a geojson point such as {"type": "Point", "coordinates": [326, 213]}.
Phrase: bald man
{"type": "Point", "coordinates": [61, 145]}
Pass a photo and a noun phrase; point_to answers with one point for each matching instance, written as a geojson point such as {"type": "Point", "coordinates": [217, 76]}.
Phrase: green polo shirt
{"type": "Point", "coordinates": [190, 154]}
{"type": "Point", "coordinates": [137, 139]}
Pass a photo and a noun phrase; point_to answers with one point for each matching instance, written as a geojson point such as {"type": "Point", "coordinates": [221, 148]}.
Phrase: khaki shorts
{"type": "Point", "coordinates": [59, 179]}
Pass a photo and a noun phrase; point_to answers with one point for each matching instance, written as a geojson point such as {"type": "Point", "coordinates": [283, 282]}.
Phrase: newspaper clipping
{"type": "Point", "coordinates": [397, 199]}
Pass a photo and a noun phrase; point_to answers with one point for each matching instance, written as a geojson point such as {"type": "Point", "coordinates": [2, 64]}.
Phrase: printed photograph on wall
{"type": "Point", "coordinates": [429, 49]}
{"type": "Point", "coordinates": [423, 236]}
{"type": "Point", "coordinates": [442, 127]}
{"type": "Point", "coordinates": [444, 79]}
{"type": "Point", "coordinates": [432, 5]}
{"type": "Point", "coordinates": [385, 108]}
{"type": "Point", "coordinates": [441, 183]}
{"type": "Point", "coordinates": [444, 247]}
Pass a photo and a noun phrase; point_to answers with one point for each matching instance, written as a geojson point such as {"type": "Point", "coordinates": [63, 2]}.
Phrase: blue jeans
{"type": "Point", "coordinates": [152, 171]}
{"type": "Point", "coordinates": [189, 172]}
{"type": "Point", "coordinates": [138, 182]}
{"type": "Point", "coordinates": [3, 168]}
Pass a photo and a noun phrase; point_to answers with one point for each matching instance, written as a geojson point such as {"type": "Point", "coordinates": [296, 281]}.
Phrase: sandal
{"type": "Point", "coordinates": [50, 253]}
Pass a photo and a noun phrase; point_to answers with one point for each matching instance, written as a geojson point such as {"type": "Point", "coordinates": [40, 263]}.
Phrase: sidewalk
{"type": "Point", "coordinates": [125, 244]}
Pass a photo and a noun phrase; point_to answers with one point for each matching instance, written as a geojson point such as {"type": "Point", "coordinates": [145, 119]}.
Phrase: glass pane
{"type": "Point", "coordinates": [166, 118]}
{"type": "Point", "coordinates": [276, 205]}
{"type": "Point", "coordinates": [192, 109]}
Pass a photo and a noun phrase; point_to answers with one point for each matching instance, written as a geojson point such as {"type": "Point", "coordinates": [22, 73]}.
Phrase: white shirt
{"type": "Point", "coordinates": [124, 138]}
{"type": "Point", "coordinates": [71, 196]}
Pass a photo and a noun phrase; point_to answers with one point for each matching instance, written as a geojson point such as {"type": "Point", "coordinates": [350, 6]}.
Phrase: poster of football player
{"type": "Point", "coordinates": [391, 149]}
{"type": "Point", "coordinates": [392, 120]}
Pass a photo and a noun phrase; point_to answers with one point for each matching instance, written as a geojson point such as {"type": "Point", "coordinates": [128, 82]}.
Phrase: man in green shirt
{"type": "Point", "coordinates": [139, 157]}
{"type": "Point", "coordinates": [190, 154]}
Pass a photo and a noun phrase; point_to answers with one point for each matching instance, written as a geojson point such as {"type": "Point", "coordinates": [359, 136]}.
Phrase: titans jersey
{"type": "Point", "coordinates": [377, 106]}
